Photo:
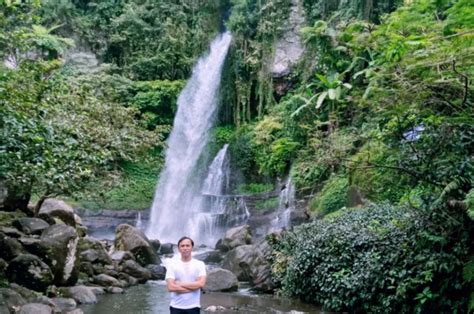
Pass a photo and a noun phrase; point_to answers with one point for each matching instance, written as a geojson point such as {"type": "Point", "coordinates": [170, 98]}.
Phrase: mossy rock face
{"type": "Point", "coordinates": [7, 218]}
{"type": "Point", "coordinates": [29, 271]}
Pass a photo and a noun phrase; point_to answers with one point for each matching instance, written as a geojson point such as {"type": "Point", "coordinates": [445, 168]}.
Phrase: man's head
{"type": "Point", "coordinates": [185, 247]}
{"type": "Point", "coordinates": [186, 238]}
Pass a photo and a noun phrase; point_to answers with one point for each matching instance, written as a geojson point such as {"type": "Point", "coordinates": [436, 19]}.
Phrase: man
{"type": "Point", "coordinates": [184, 278]}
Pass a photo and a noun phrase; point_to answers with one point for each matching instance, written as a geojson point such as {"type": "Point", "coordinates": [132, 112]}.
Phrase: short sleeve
{"type": "Point", "coordinates": [202, 269]}
{"type": "Point", "coordinates": [170, 272]}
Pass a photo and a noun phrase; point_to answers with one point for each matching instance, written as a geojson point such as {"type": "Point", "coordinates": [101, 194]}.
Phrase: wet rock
{"type": "Point", "coordinates": [235, 237]}
{"type": "Point", "coordinates": [30, 225]}
{"type": "Point", "coordinates": [11, 232]}
{"type": "Point", "coordinates": [65, 304]}
{"type": "Point", "coordinates": [59, 243]}
{"type": "Point", "coordinates": [10, 300]}
{"type": "Point", "coordinates": [158, 272]}
{"type": "Point", "coordinates": [248, 263]}
{"type": "Point", "coordinates": [219, 279]}
{"type": "Point", "coordinates": [210, 257]}
{"type": "Point", "coordinates": [35, 308]}
{"type": "Point", "coordinates": [10, 248]}
{"type": "Point", "coordinates": [115, 290]}
{"type": "Point", "coordinates": [106, 280]}
{"type": "Point", "coordinates": [129, 238]}
{"type": "Point", "coordinates": [93, 250]}
{"type": "Point", "coordinates": [59, 209]}
{"type": "Point", "coordinates": [29, 271]}
{"type": "Point", "coordinates": [167, 248]}
{"type": "Point", "coordinates": [119, 257]}
{"type": "Point", "coordinates": [134, 269]}
{"type": "Point", "coordinates": [81, 294]}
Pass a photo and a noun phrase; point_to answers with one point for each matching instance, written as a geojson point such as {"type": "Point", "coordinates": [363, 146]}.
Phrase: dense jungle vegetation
{"type": "Point", "coordinates": [380, 105]}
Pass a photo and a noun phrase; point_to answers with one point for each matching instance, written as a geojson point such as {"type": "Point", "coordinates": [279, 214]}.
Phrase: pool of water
{"type": "Point", "coordinates": [153, 297]}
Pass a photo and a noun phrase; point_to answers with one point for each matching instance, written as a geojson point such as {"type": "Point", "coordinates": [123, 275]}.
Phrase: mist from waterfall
{"type": "Point", "coordinates": [178, 201]}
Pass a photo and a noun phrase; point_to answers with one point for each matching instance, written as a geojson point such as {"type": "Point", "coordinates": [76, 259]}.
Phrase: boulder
{"type": "Point", "coordinates": [30, 225]}
{"type": "Point", "coordinates": [134, 269]}
{"type": "Point", "coordinates": [158, 272]}
{"type": "Point", "coordinates": [11, 232]}
{"type": "Point", "coordinates": [167, 248]}
{"type": "Point", "coordinates": [59, 249]}
{"type": "Point", "coordinates": [65, 304]}
{"type": "Point", "coordinates": [219, 279]}
{"type": "Point", "coordinates": [248, 263]}
{"type": "Point", "coordinates": [106, 281]}
{"type": "Point", "coordinates": [10, 248]}
{"type": "Point", "coordinates": [10, 300]}
{"type": "Point", "coordinates": [30, 296]}
{"type": "Point", "coordinates": [93, 250]}
{"type": "Point", "coordinates": [81, 294]}
{"type": "Point", "coordinates": [59, 209]}
{"type": "Point", "coordinates": [129, 238]}
{"type": "Point", "coordinates": [235, 237]}
{"type": "Point", "coordinates": [35, 308]}
{"type": "Point", "coordinates": [29, 271]}
{"type": "Point", "coordinates": [119, 257]}
{"type": "Point", "coordinates": [210, 257]}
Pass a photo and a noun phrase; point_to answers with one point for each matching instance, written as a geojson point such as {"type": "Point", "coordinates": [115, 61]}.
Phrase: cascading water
{"type": "Point", "coordinates": [178, 197]}
{"type": "Point", "coordinates": [286, 203]}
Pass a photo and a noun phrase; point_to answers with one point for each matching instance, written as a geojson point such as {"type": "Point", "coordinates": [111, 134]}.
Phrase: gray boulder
{"type": "Point", "coordinates": [134, 269]}
{"type": "Point", "coordinates": [65, 304]}
{"type": "Point", "coordinates": [129, 238]}
{"type": "Point", "coordinates": [119, 257]}
{"type": "Point", "coordinates": [59, 249]}
{"type": "Point", "coordinates": [30, 225]}
{"type": "Point", "coordinates": [219, 279]}
{"type": "Point", "coordinates": [81, 294]}
{"type": "Point", "coordinates": [58, 209]}
{"type": "Point", "coordinates": [235, 237]}
{"type": "Point", "coordinates": [35, 308]}
{"type": "Point", "coordinates": [10, 300]}
{"type": "Point", "coordinates": [10, 248]}
{"type": "Point", "coordinates": [157, 272]}
{"type": "Point", "coordinates": [29, 271]}
{"type": "Point", "coordinates": [106, 281]}
{"type": "Point", "coordinates": [248, 263]}
{"type": "Point", "coordinates": [93, 250]}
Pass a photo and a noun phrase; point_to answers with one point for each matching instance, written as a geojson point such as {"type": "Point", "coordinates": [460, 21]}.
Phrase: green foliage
{"type": "Point", "coordinates": [254, 188]}
{"type": "Point", "coordinates": [57, 134]}
{"type": "Point", "coordinates": [156, 100]}
{"type": "Point", "coordinates": [381, 258]}
{"type": "Point", "coordinates": [130, 33]}
{"type": "Point", "coordinates": [133, 188]}
{"type": "Point", "coordinates": [268, 204]}
{"type": "Point", "coordinates": [332, 196]}
{"type": "Point", "coordinates": [470, 204]}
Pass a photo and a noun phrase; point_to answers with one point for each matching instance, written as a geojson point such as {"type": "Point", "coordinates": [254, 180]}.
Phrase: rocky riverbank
{"type": "Point", "coordinates": [50, 265]}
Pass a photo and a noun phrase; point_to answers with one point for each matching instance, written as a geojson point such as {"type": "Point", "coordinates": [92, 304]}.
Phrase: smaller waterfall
{"type": "Point", "coordinates": [286, 204]}
{"type": "Point", "coordinates": [139, 223]}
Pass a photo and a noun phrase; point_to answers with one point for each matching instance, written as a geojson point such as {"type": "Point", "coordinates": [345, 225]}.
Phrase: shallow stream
{"type": "Point", "coordinates": [153, 297]}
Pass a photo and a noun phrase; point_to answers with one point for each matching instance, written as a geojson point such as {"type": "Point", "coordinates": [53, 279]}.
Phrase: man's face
{"type": "Point", "coordinates": [185, 248]}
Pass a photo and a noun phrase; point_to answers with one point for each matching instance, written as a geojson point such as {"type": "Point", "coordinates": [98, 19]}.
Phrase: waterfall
{"type": "Point", "coordinates": [178, 199]}
{"type": "Point", "coordinates": [139, 222]}
{"type": "Point", "coordinates": [286, 203]}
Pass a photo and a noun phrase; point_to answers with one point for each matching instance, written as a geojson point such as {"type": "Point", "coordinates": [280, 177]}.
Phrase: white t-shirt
{"type": "Point", "coordinates": [185, 271]}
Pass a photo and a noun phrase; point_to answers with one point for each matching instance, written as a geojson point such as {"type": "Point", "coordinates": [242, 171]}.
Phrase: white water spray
{"type": "Point", "coordinates": [178, 197]}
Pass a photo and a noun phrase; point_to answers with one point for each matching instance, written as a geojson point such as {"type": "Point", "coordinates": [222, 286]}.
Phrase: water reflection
{"type": "Point", "coordinates": [154, 298]}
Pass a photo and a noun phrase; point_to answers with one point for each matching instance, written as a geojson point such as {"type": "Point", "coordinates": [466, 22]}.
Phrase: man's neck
{"type": "Point", "coordinates": [185, 259]}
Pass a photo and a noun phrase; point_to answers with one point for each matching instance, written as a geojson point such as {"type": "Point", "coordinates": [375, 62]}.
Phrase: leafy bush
{"type": "Point", "coordinates": [332, 197]}
{"type": "Point", "coordinates": [377, 259]}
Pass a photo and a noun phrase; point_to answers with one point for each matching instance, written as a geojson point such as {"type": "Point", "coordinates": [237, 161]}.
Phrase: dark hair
{"type": "Point", "coordinates": [186, 238]}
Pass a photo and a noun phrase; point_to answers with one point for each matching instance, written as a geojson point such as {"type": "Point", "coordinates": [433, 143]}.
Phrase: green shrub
{"type": "Point", "coordinates": [271, 203]}
{"type": "Point", "coordinates": [332, 197]}
{"type": "Point", "coordinates": [380, 259]}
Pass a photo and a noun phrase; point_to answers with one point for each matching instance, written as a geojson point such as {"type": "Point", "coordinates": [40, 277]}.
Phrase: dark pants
{"type": "Point", "coordinates": [194, 310]}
